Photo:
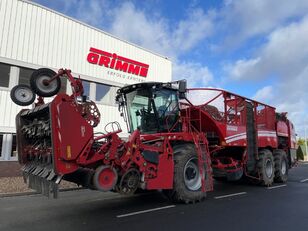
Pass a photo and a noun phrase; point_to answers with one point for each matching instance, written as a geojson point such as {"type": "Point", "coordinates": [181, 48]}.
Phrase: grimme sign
{"type": "Point", "coordinates": [116, 62]}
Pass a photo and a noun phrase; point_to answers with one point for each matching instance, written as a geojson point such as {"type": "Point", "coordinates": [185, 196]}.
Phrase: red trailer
{"type": "Point", "coordinates": [180, 139]}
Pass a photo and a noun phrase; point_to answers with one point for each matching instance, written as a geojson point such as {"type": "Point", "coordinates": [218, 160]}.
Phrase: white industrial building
{"type": "Point", "coordinates": [33, 36]}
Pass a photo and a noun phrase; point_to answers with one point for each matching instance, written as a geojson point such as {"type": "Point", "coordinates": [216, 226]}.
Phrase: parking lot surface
{"type": "Point", "coordinates": [232, 206]}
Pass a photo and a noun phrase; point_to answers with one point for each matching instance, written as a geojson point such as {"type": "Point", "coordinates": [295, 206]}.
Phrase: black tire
{"type": "Point", "coordinates": [22, 95]}
{"type": "Point", "coordinates": [266, 167]}
{"type": "Point", "coordinates": [184, 154]}
{"type": "Point", "coordinates": [38, 86]}
{"type": "Point", "coordinates": [281, 166]}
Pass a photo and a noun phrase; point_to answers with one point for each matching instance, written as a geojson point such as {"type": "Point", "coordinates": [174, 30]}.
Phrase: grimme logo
{"type": "Point", "coordinates": [117, 62]}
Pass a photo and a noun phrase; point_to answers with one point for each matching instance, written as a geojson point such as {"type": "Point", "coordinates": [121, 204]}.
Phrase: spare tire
{"type": "Point", "coordinates": [22, 95]}
{"type": "Point", "coordinates": [40, 85]}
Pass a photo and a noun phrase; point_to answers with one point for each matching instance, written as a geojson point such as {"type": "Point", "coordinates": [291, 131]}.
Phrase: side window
{"type": "Point", "coordinates": [105, 94]}
{"type": "Point", "coordinates": [86, 87]}
{"type": "Point", "coordinates": [24, 75]}
{"type": "Point", "coordinates": [4, 75]}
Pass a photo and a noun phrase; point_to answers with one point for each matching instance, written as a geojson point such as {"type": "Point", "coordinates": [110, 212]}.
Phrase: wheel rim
{"type": "Point", "coordinates": [268, 168]}
{"type": "Point", "coordinates": [192, 176]}
{"type": "Point", "coordinates": [283, 167]}
{"type": "Point", "coordinates": [46, 88]}
{"type": "Point", "coordinates": [23, 94]}
{"type": "Point", "coordinates": [105, 178]}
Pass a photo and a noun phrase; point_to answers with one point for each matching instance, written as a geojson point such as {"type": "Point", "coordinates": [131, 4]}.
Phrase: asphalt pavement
{"type": "Point", "coordinates": [232, 206]}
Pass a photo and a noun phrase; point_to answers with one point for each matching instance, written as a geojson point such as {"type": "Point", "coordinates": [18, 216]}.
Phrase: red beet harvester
{"type": "Point", "coordinates": [180, 139]}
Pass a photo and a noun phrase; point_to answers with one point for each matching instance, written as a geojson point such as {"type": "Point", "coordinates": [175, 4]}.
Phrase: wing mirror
{"type": "Point", "coordinates": [182, 89]}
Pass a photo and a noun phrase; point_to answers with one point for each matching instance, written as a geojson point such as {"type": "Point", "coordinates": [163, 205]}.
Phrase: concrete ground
{"type": "Point", "coordinates": [229, 207]}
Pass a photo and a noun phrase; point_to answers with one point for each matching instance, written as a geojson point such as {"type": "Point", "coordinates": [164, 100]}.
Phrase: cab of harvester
{"type": "Point", "coordinates": [151, 107]}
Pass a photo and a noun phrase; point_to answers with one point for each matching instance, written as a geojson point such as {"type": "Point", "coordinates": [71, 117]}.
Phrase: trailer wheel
{"type": "Point", "coordinates": [266, 167]}
{"type": "Point", "coordinates": [22, 95]}
{"type": "Point", "coordinates": [39, 82]}
{"type": "Point", "coordinates": [187, 179]}
{"type": "Point", "coordinates": [281, 166]}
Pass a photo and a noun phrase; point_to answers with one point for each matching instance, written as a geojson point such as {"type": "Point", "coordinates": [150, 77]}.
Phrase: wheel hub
{"type": "Point", "coordinates": [23, 95]}
{"type": "Point", "coordinates": [268, 168]}
{"type": "Point", "coordinates": [192, 177]}
{"type": "Point", "coordinates": [105, 178]}
{"type": "Point", "coordinates": [283, 167]}
{"type": "Point", "coordinates": [44, 85]}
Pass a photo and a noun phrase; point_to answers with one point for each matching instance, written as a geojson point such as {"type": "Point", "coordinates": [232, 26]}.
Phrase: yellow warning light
{"type": "Point", "coordinates": [68, 152]}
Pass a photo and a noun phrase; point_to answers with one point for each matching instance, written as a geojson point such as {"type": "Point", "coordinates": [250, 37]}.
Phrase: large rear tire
{"type": "Point", "coordinates": [266, 167]}
{"type": "Point", "coordinates": [187, 180]}
{"type": "Point", "coordinates": [40, 85]}
{"type": "Point", "coordinates": [281, 166]}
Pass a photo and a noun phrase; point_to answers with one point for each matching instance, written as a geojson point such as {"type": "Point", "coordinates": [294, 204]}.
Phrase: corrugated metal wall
{"type": "Point", "coordinates": [38, 36]}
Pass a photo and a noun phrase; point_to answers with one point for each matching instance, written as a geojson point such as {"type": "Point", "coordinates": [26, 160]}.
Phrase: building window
{"type": "Point", "coordinates": [86, 87]}
{"type": "Point", "coordinates": [4, 75]}
{"type": "Point", "coordinates": [105, 94]}
{"type": "Point", "coordinates": [1, 145]}
{"type": "Point", "coordinates": [14, 147]}
{"type": "Point", "coordinates": [25, 75]}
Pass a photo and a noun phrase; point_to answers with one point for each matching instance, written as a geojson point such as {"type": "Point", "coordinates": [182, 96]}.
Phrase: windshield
{"type": "Point", "coordinates": [152, 110]}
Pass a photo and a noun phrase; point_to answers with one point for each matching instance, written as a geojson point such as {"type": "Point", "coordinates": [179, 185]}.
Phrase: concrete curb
{"type": "Point", "coordinates": [3, 195]}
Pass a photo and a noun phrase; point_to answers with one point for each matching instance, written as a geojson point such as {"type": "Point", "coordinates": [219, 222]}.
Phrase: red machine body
{"type": "Point", "coordinates": [175, 144]}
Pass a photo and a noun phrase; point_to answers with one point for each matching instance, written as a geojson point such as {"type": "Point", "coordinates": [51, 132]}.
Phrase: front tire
{"type": "Point", "coordinates": [281, 166]}
{"type": "Point", "coordinates": [266, 167]}
{"type": "Point", "coordinates": [187, 180]}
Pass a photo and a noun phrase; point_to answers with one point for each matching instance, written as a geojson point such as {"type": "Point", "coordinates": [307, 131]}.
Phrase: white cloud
{"type": "Point", "coordinates": [249, 18]}
{"type": "Point", "coordinates": [265, 94]}
{"type": "Point", "coordinates": [94, 12]}
{"type": "Point", "coordinates": [284, 55]}
{"type": "Point", "coordinates": [135, 26]}
{"type": "Point", "coordinates": [155, 33]}
{"type": "Point", "coordinates": [192, 30]}
{"type": "Point", "coordinates": [242, 68]}
{"type": "Point", "coordinates": [195, 74]}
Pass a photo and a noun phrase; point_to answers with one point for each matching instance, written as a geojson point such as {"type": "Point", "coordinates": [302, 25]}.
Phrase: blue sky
{"type": "Point", "coordinates": [256, 48]}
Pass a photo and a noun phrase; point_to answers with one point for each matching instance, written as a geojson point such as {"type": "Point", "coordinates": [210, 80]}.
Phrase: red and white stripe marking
{"type": "Point", "coordinates": [243, 135]}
